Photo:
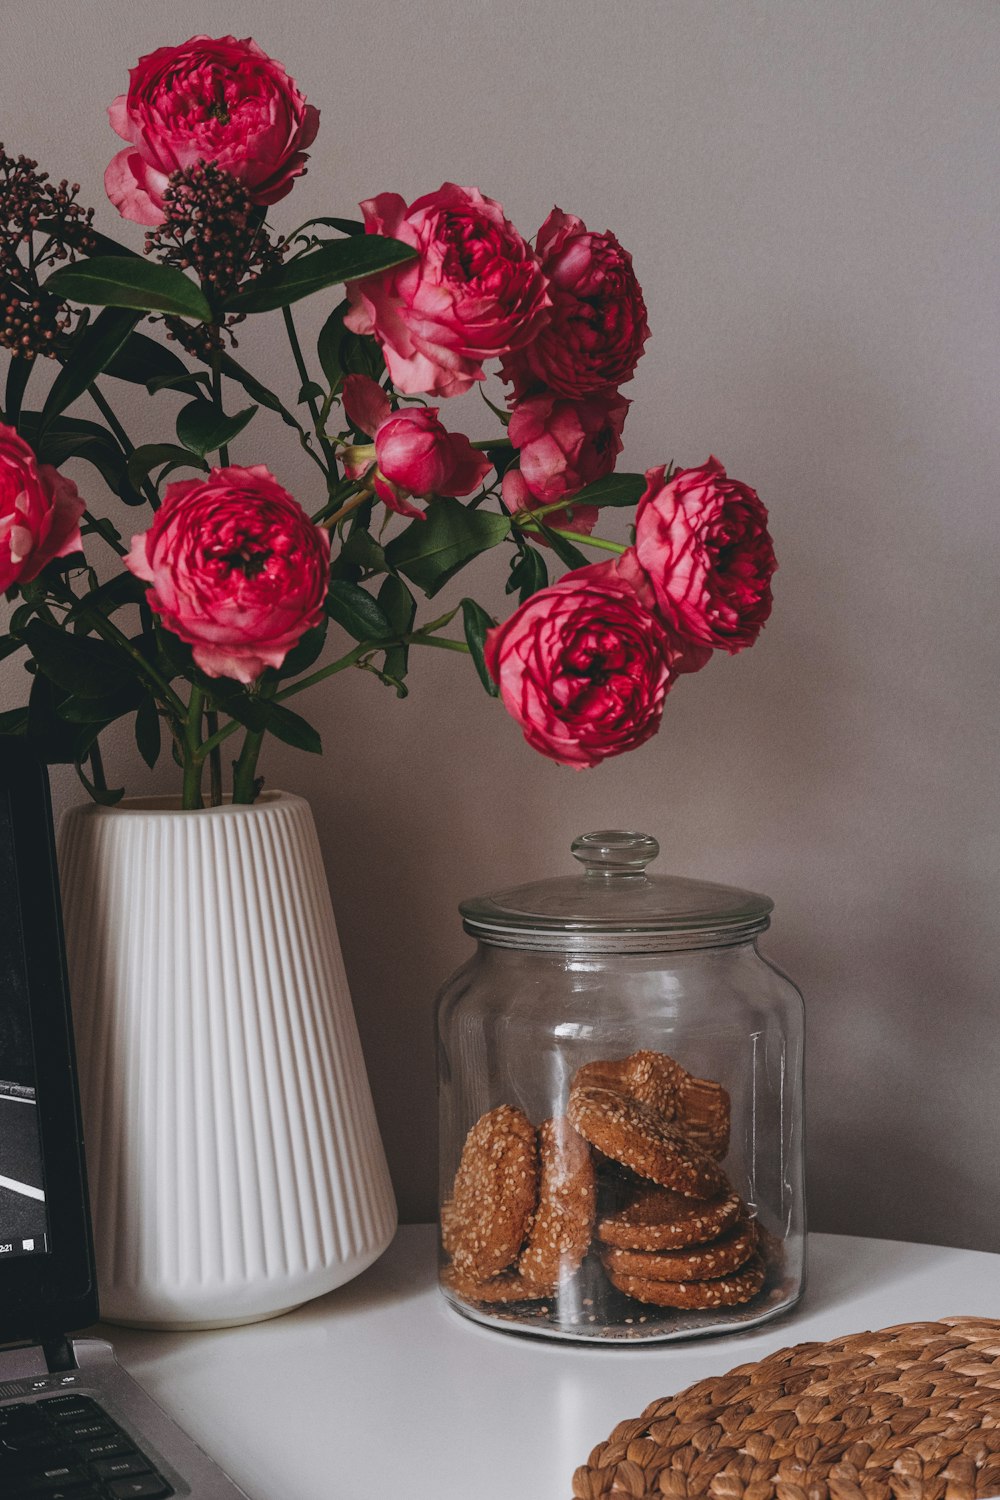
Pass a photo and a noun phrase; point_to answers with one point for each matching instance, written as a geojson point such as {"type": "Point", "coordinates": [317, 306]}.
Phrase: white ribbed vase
{"type": "Point", "coordinates": [235, 1163]}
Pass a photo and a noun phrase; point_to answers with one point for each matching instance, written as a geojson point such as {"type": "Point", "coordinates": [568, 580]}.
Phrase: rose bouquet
{"type": "Point", "coordinates": [217, 610]}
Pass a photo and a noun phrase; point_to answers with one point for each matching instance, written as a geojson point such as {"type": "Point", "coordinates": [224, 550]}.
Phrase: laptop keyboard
{"type": "Point", "coordinates": [68, 1448]}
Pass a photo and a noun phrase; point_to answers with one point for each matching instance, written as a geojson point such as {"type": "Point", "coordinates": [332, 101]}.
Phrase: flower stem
{"type": "Point", "coordinates": [345, 510]}
{"type": "Point", "coordinates": [193, 762]}
{"type": "Point", "coordinates": [300, 365]}
{"type": "Point", "coordinates": [581, 537]}
{"type": "Point", "coordinates": [245, 766]}
{"type": "Point", "coordinates": [214, 761]}
{"type": "Point", "coordinates": [217, 401]}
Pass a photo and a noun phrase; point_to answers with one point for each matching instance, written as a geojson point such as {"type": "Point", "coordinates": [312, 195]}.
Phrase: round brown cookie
{"type": "Point", "coordinates": [703, 1113]}
{"type": "Point", "coordinates": [723, 1291]}
{"type": "Point", "coordinates": [657, 1219]}
{"type": "Point", "coordinates": [651, 1077]}
{"type": "Point", "coordinates": [694, 1263]}
{"type": "Point", "coordinates": [700, 1106]}
{"type": "Point", "coordinates": [638, 1137]}
{"type": "Point", "coordinates": [559, 1233]}
{"type": "Point", "coordinates": [508, 1287]}
{"type": "Point", "coordinates": [496, 1190]}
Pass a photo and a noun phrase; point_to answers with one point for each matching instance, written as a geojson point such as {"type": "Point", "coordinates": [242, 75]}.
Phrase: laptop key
{"type": "Point", "coordinates": [118, 1468]}
{"type": "Point", "coordinates": [67, 1408]}
{"type": "Point", "coordinates": [75, 1432]}
{"type": "Point", "coordinates": [142, 1487]}
{"type": "Point", "coordinates": [105, 1447]}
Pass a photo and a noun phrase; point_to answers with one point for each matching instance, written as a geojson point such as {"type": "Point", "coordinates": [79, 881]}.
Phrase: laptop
{"type": "Point", "coordinates": [73, 1423]}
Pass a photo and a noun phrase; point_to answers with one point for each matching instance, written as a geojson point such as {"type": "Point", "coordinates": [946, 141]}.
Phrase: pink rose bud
{"type": "Point", "coordinates": [564, 445]}
{"type": "Point", "coordinates": [210, 99]}
{"type": "Point", "coordinates": [414, 452]}
{"type": "Point", "coordinates": [583, 667]}
{"type": "Point", "coordinates": [237, 570]}
{"type": "Point", "coordinates": [702, 540]}
{"type": "Point", "coordinates": [40, 512]}
{"type": "Point", "coordinates": [475, 292]}
{"type": "Point", "coordinates": [595, 335]}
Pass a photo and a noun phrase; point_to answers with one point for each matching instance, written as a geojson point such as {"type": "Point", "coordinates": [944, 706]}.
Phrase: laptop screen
{"type": "Point", "coordinates": [46, 1259]}
{"type": "Point", "coordinates": [24, 1224]}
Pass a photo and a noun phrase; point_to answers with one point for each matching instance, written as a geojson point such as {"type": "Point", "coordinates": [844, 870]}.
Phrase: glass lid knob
{"type": "Point", "coordinates": [615, 851]}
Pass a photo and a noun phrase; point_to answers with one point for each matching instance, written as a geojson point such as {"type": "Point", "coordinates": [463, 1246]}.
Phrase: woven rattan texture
{"type": "Point", "coordinates": [905, 1413]}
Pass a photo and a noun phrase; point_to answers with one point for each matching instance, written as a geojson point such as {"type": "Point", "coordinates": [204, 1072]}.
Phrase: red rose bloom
{"type": "Point", "coordinates": [237, 570]}
{"type": "Point", "coordinates": [475, 291]}
{"type": "Point", "coordinates": [40, 512]}
{"type": "Point", "coordinates": [702, 540]}
{"type": "Point", "coordinates": [583, 667]}
{"type": "Point", "coordinates": [210, 99]}
{"type": "Point", "coordinates": [595, 335]}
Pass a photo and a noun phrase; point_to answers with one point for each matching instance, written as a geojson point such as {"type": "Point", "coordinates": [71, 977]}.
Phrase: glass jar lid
{"type": "Point", "coordinates": [613, 905]}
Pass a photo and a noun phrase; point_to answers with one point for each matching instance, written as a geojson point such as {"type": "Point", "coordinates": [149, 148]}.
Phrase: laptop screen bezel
{"type": "Point", "coordinates": [49, 1293]}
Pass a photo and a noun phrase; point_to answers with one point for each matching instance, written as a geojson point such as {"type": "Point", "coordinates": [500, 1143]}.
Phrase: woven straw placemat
{"type": "Point", "coordinates": [905, 1413]}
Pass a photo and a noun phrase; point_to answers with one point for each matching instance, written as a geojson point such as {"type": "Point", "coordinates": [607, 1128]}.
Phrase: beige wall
{"type": "Point", "coordinates": [810, 193]}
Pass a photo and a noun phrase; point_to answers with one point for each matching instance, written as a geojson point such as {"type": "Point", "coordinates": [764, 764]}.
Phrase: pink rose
{"type": "Point", "coordinates": [594, 337]}
{"type": "Point", "coordinates": [566, 444]}
{"type": "Point", "coordinates": [702, 540]}
{"type": "Point", "coordinates": [583, 667]}
{"type": "Point", "coordinates": [237, 570]}
{"type": "Point", "coordinates": [40, 512]}
{"type": "Point", "coordinates": [413, 452]}
{"type": "Point", "coordinates": [475, 291]}
{"type": "Point", "coordinates": [210, 99]}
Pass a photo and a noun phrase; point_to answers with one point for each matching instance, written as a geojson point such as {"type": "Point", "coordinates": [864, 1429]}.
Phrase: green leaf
{"type": "Point", "coordinates": [356, 611]}
{"type": "Point", "coordinates": [104, 796]}
{"type": "Point", "coordinates": [614, 489]}
{"type": "Point", "coordinates": [8, 645]}
{"type": "Point", "coordinates": [571, 556]}
{"type": "Point", "coordinates": [344, 353]}
{"type": "Point", "coordinates": [78, 664]}
{"type": "Point", "coordinates": [14, 721]}
{"type": "Point", "coordinates": [147, 732]}
{"type": "Point", "coordinates": [528, 573]}
{"type": "Point", "coordinates": [143, 460]}
{"type": "Point", "coordinates": [340, 260]}
{"type": "Point", "coordinates": [103, 711]}
{"type": "Point", "coordinates": [90, 354]}
{"type": "Point", "coordinates": [477, 622]}
{"type": "Point", "coordinates": [143, 361]}
{"type": "Point", "coordinates": [202, 429]}
{"type": "Point", "coordinates": [233, 699]}
{"type": "Point", "coordinates": [70, 437]}
{"type": "Point", "coordinates": [80, 233]}
{"type": "Point", "coordinates": [255, 390]}
{"type": "Point", "coordinates": [58, 741]}
{"type": "Point", "coordinates": [305, 653]}
{"type": "Point", "coordinates": [311, 391]}
{"type": "Point", "coordinates": [117, 281]}
{"type": "Point", "coordinates": [362, 549]}
{"type": "Point", "coordinates": [292, 728]}
{"type": "Point", "coordinates": [18, 375]}
{"type": "Point", "coordinates": [123, 588]}
{"type": "Point", "coordinates": [432, 550]}
{"type": "Point", "coordinates": [345, 226]}
{"type": "Point", "coordinates": [400, 609]}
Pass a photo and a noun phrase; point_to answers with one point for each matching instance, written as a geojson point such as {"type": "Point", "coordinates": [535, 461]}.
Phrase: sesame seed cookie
{"type": "Point", "coordinates": [654, 1218]}
{"type": "Point", "coordinates": [698, 1106]}
{"type": "Point", "coordinates": [693, 1263]}
{"type": "Point", "coordinates": [495, 1195]}
{"type": "Point", "coordinates": [495, 1290]}
{"type": "Point", "coordinates": [638, 1137]}
{"type": "Point", "coordinates": [560, 1231]}
{"type": "Point", "coordinates": [722, 1291]}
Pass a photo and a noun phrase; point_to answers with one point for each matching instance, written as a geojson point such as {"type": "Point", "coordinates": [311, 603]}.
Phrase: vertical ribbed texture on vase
{"type": "Point", "coordinates": [235, 1164]}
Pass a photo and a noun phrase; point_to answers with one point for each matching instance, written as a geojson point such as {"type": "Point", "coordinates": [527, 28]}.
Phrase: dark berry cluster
{"type": "Point", "coordinates": [212, 228]}
{"type": "Point", "coordinates": [40, 224]}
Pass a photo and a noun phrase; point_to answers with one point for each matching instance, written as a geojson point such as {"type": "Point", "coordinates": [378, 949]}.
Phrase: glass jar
{"type": "Point", "coordinates": [620, 1077]}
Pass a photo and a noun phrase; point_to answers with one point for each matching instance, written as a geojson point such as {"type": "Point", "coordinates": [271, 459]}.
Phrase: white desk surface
{"type": "Point", "coordinates": [381, 1390]}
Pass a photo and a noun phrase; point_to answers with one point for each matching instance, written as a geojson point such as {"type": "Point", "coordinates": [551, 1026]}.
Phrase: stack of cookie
{"type": "Point", "coordinates": [632, 1168]}
{"type": "Point", "coordinates": [678, 1236]}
